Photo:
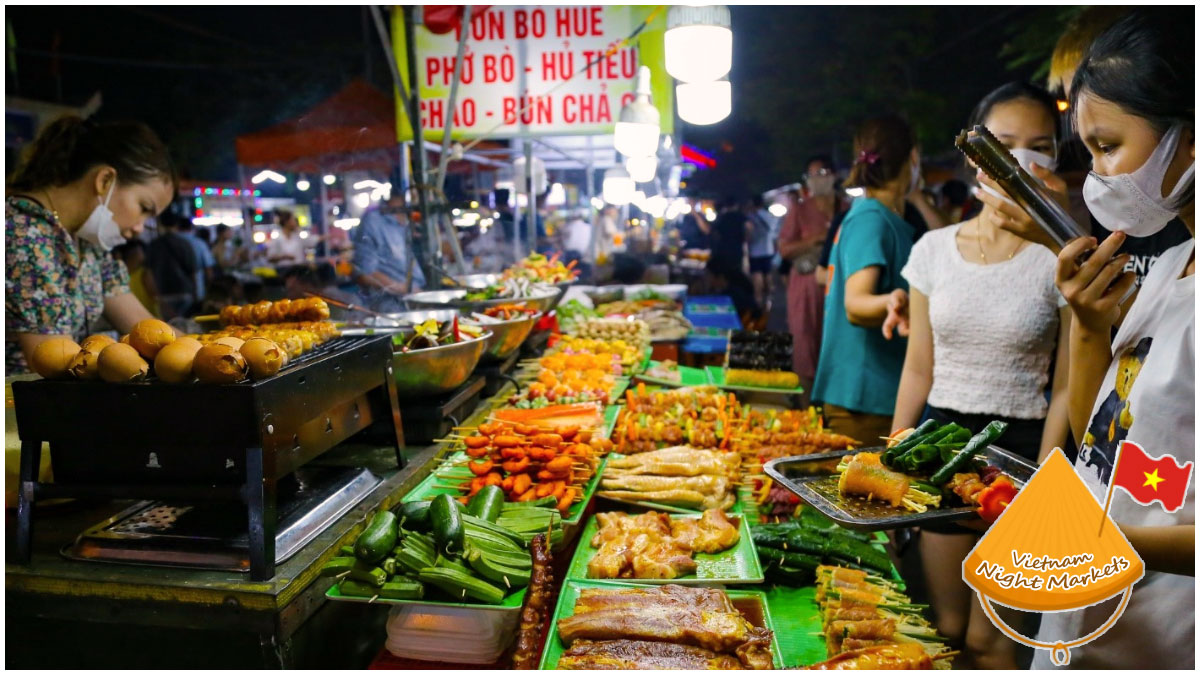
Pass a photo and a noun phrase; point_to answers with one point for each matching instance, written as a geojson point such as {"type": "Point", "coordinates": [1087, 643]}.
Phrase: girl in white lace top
{"type": "Point", "coordinates": [985, 324]}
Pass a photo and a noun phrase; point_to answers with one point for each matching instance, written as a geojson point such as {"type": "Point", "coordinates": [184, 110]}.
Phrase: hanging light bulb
{"type": "Point", "coordinates": [704, 102]}
{"type": "Point", "coordinates": [636, 133]}
{"type": "Point", "coordinates": [329, 179]}
{"type": "Point", "coordinates": [641, 169]}
{"type": "Point", "coordinates": [698, 43]}
{"type": "Point", "coordinates": [618, 186]}
{"type": "Point", "coordinates": [302, 184]}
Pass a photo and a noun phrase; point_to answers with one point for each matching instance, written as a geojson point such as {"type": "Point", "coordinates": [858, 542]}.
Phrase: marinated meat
{"type": "Point", "coordinates": [642, 655]}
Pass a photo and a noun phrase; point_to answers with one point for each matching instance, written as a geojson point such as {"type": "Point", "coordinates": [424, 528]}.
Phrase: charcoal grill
{"type": "Point", "coordinates": [203, 442]}
{"type": "Point", "coordinates": [435, 417]}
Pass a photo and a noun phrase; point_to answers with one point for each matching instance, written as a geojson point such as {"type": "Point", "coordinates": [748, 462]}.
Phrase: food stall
{"type": "Point", "coordinates": [365, 547]}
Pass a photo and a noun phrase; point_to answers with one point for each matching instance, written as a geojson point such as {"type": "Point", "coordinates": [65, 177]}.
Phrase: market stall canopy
{"type": "Point", "coordinates": [355, 129]}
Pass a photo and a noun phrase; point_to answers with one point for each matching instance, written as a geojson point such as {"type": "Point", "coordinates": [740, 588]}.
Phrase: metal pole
{"type": "Point", "coordinates": [386, 44]}
{"type": "Point", "coordinates": [590, 179]}
{"type": "Point", "coordinates": [532, 198]}
{"type": "Point", "coordinates": [247, 213]}
{"type": "Point", "coordinates": [444, 157]}
{"type": "Point", "coordinates": [414, 116]}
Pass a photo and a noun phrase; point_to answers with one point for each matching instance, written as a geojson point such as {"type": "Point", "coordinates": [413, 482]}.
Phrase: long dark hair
{"type": "Point", "coordinates": [71, 146]}
{"type": "Point", "coordinates": [881, 149]}
{"type": "Point", "coordinates": [1145, 63]}
{"type": "Point", "coordinates": [1016, 91]}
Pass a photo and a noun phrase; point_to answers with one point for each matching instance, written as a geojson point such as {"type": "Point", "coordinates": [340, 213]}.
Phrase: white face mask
{"type": "Point", "coordinates": [1026, 158]}
{"type": "Point", "coordinates": [915, 179]}
{"type": "Point", "coordinates": [821, 185]}
{"type": "Point", "coordinates": [100, 228]}
{"type": "Point", "coordinates": [1132, 202]}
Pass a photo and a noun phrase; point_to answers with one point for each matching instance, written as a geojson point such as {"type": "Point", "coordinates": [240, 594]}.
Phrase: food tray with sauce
{"type": "Point", "coordinates": [751, 604]}
{"type": "Point", "coordinates": [856, 513]}
{"type": "Point", "coordinates": [738, 564]}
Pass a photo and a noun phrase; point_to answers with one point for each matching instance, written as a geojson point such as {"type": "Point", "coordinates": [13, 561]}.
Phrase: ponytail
{"type": "Point", "coordinates": [881, 149]}
{"type": "Point", "coordinates": [71, 146]}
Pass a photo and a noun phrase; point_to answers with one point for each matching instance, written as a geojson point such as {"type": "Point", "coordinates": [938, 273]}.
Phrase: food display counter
{"type": "Point", "coordinates": [590, 483]}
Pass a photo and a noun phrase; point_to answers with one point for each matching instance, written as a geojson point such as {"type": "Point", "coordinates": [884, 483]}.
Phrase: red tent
{"type": "Point", "coordinates": [353, 130]}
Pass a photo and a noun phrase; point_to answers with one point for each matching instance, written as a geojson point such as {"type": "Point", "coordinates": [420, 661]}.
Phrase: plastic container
{"type": "Point", "coordinates": [449, 634]}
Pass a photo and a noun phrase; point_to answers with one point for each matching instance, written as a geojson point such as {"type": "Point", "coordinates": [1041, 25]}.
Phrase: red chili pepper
{"type": "Point", "coordinates": [457, 335]}
{"type": "Point", "coordinates": [995, 498]}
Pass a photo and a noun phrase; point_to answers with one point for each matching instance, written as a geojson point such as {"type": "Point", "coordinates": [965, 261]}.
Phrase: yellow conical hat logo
{"type": "Point", "coordinates": [1049, 552]}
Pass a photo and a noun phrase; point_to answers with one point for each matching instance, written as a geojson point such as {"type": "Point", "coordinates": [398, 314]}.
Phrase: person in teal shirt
{"type": "Point", "coordinates": [858, 371]}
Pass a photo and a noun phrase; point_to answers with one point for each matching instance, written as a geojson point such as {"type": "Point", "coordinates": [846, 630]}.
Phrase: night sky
{"type": "Point", "coordinates": [801, 75]}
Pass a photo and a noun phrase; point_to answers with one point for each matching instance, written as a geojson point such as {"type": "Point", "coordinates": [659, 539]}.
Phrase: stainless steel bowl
{"type": "Point", "coordinates": [455, 298]}
{"type": "Point", "coordinates": [413, 318]}
{"type": "Point", "coordinates": [602, 295]}
{"type": "Point", "coordinates": [476, 280]}
{"type": "Point", "coordinates": [437, 370]}
{"type": "Point", "coordinates": [507, 336]}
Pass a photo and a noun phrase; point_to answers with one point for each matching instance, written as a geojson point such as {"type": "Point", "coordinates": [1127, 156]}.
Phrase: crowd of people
{"type": "Point", "coordinates": [965, 311]}
{"type": "Point", "coordinates": [902, 308]}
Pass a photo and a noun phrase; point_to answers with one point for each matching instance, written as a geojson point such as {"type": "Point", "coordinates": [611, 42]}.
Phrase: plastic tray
{"type": "Point", "coordinates": [736, 565]}
{"type": "Point", "coordinates": [821, 492]}
{"type": "Point", "coordinates": [689, 377]}
{"type": "Point", "coordinates": [753, 605]}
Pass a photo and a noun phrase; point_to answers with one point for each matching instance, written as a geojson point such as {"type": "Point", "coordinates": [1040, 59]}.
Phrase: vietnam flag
{"type": "Point", "coordinates": [1148, 479]}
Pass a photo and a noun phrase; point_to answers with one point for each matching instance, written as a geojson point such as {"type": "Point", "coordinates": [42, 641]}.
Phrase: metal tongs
{"type": "Point", "coordinates": [990, 155]}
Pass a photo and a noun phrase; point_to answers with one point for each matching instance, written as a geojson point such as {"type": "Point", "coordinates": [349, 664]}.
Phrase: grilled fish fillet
{"type": "Point", "coordinates": [642, 655]}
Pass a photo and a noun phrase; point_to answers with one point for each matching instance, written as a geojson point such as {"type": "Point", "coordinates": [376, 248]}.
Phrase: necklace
{"type": "Point", "coordinates": [50, 201]}
{"type": "Point", "coordinates": [979, 241]}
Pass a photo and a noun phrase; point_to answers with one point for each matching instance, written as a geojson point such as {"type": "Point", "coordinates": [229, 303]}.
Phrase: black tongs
{"type": "Point", "coordinates": [990, 155]}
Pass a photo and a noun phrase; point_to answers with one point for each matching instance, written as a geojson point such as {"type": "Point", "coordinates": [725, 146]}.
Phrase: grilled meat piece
{"type": "Point", "coordinates": [905, 656]}
{"type": "Point", "coordinates": [642, 655]}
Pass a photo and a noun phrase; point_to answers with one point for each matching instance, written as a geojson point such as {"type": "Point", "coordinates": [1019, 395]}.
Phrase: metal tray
{"type": "Point", "coordinates": [821, 491]}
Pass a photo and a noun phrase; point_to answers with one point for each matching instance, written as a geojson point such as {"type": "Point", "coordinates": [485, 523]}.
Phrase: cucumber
{"type": "Point", "coordinates": [446, 520]}
{"type": "Point", "coordinates": [413, 515]}
{"type": "Point", "coordinates": [502, 575]}
{"type": "Point", "coordinates": [487, 503]}
{"type": "Point", "coordinates": [357, 588]}
{"type": "Point", "coordinates": [977, 443]}
{"type": "Point", "coordinates": [461, 586]}
{"type": "Point", "coordinates": [378, 539]}
{"type": "Point", "coordinates": [337, 566]}
{"type": "Point", "coordinates": [481, 524]}
{"type": "Point", "coordinates": [374, 576]}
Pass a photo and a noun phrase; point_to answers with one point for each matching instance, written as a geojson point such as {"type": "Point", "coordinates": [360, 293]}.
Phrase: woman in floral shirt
{"type": "Point", "coordinates": [85, 188]}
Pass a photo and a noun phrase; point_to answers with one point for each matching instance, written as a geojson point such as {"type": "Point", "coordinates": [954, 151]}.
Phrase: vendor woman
{"type": "Point", "coordinates": [84, 188]}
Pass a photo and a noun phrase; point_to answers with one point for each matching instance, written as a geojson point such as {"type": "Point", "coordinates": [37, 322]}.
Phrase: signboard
{"type": "Point", "coordinates": [523, 71]}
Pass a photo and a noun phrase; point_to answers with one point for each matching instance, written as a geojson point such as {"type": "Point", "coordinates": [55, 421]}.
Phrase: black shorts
{"type": "Point", "coordinates": [761, 264]}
